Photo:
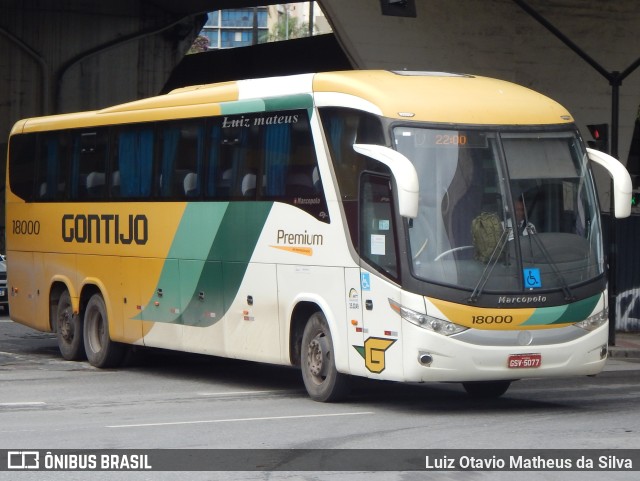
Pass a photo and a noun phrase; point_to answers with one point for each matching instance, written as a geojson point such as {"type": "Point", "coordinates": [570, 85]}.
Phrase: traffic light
{"type": "Point", "coordinates": [600, 135]}
{"type": "Point", "coordinates": [635, 199]}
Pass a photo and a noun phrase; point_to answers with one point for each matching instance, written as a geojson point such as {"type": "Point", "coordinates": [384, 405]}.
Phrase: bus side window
{"type": "Point", "coordinates": [218, 181]}
{"type": "Point", "coordinates": [255, 158]}
{"type": "Point", "coordinates": [182, 150]}
{"type": "Point", "coordinates": [227, 162]}
{"type": "Point", "coordinates": [377, 239]}
{"type": "Point", "coordinates": [342, 128]}
{"type": "Point", "coordinates": [22, 164]}
{"type": "Point", "coordinates": [133, 168]}
{"type": "Point", "coordinates": [291, 172]}
{"type": "Point", "coordinates": [277, 158]}
{"type": "Point", "coordinates": [221, 171]}
{"type": "Point", "coordinates": [89, 165]}
{"type": "Point", "coordinates": [52, 166]}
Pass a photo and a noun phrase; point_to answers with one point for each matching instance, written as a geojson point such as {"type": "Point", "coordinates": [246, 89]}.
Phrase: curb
{"type": "Point", "coordinates": [627, 346]}
{"type": "Point", "coordinates": [623, 353]}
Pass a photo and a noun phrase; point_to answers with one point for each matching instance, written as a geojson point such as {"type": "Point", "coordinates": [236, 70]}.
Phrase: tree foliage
{"type": "Point", "coordinates": [200, 44]}
{"type": "Point", "coordinates": [296, 29]}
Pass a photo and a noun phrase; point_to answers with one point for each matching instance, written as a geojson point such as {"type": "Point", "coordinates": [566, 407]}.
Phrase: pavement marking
{"type": "Point", "coordinates": [238, 393]}
{"type": "Point", "coordinates": [235, 420]}
{"type": "Point", "coordinates": [20, 404]}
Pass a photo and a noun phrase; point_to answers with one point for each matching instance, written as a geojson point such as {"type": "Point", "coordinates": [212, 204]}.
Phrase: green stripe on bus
{"type": "Point", "coordinates": [545, 315]}
{"type": "Point", "coordinates": [242, 107]}
{"type": "Point", "coordinates": [574, 312]}
{"type": "Point", "coordinates": [290, 102]}
{"type": "Point", "coordinates": [214, 244]}
{"type": "Point", "coordinates": [579, 311]}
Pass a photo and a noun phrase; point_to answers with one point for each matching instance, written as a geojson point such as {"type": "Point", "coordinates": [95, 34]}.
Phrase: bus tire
{"type": "Point", "coordinates": [486, 389]}
{"type": "Point", "coordinates": [317, 361]}
{"type": "Point", "coordinates": [68, 330]}
{"type": "Point", "coordinates": [101, 351]}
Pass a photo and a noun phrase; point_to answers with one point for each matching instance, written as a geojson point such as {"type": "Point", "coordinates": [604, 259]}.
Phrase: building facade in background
{"type": "Point", "coordinates": [243, 27]}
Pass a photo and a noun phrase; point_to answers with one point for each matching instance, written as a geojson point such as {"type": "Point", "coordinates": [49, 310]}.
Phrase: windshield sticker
{"type": "Point", "coordinates": [378, 245]}
{"type": "Point", "coordinates": [532, 279]}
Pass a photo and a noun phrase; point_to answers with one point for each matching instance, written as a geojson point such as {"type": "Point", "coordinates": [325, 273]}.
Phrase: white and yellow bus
{"type": "Point", "coordinates": [360, 223]}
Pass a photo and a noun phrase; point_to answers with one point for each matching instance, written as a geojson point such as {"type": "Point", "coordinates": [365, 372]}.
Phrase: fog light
{"type": "Point", "coordinates": [603, 351]}
{"type": "Point", "coordinates": [425, 359]}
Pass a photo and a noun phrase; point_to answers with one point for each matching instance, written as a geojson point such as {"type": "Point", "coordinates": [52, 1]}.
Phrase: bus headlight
{"type": "Point", "coordinates": [591, 323]}
{"type": "Point", "coordinates": [425, 321]}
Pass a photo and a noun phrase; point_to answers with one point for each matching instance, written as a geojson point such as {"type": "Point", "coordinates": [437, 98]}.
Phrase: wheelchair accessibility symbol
{"type": "Point", "coordinates": [532, 278]}
{"type": "Point", "coordinates": [365, 281]}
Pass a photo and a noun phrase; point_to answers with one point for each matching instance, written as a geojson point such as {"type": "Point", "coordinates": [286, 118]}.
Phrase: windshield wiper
{"type": "Point", "coordinates": [568, 295]}
{"type": "Point", "coordinates": [491, 263]}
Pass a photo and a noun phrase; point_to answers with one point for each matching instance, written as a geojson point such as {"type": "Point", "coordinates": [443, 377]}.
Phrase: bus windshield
{"type": "Point", "coordinates": [502, 211]}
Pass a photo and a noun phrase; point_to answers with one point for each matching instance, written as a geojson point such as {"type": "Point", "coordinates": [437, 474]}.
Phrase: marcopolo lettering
{"type": "Point", "coordinates": [105, 229]}
{"type": "Point", "coordinates": [521, 299]}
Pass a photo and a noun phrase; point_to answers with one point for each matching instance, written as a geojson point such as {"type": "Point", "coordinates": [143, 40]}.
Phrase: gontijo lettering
{"type": "Point", "coordinates": [105, 229]}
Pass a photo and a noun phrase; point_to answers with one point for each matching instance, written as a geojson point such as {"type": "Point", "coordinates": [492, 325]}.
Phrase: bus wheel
{"type": "Point", "coordinates": [321, 379]}
{"type": "Point", "coordinates": [68, 330]}
{"type": "Point", "coordinates": [100, 349]}
{"type": "Point", "coordinates": [486, 389]}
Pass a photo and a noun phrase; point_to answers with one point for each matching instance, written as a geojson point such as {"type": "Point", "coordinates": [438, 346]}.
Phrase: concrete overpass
{"type": "Point", "coordinates": [83, 54]}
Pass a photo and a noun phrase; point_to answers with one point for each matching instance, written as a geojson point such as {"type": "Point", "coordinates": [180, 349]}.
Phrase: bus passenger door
{"type": "Point", "coordinates": [382, 350]}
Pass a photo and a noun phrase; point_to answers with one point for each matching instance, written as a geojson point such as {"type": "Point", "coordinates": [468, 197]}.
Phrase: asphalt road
{"type": "Point", "coordinates": [165, 400]}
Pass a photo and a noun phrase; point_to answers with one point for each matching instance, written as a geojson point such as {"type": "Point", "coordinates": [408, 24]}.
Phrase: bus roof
{"type": "Point", "coordinates": [446, 98]}
{"type": "Point", "coordinates": [419, 96]}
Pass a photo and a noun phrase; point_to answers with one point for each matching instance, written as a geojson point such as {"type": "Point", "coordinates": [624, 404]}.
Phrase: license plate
{"type": "Point", "coordinates": [517, 361]}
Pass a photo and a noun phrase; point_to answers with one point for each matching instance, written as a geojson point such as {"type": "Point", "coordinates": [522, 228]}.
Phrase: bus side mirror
{"type": "Point", "coordinates": [404, 174]}
{"type": "Point", "coordinates": [622, 186]}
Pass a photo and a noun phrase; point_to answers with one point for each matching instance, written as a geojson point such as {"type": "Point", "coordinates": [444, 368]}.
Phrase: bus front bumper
{"type": "Point", "coordinates": [434, 357]}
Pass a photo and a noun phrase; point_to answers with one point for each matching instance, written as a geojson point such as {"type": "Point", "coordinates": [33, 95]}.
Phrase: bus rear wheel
{"type": "Point", "coordinates": [486, 389]}
{"type": "Point", "coordinates": [68, 330]}
{"type": "Point", "coordinates": [100, 349]}
{"type": "Point", "coordinates": [317, 360]}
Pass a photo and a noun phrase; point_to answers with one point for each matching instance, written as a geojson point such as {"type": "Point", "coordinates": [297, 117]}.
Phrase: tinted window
{"type": "Point", "coordinates": [89, 164]}
{"type": "Point", "coordinates": [22, 163]}
{"type": "Point", "coordinates": [256, 156]}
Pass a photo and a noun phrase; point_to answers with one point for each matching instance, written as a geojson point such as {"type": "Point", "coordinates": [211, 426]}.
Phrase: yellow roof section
{"type": "Point", "coordinates": [423, 96]}
{"type": "Point", "coordinates": [449, 98]}
{"type": "Point", "coordinates": [196, 95]}
{"type": "Point", "coordinates": [195, 101]}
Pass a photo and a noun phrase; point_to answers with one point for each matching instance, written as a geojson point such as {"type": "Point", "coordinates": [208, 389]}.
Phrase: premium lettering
{"type": "Point", "coordinates": [105, 229]}
{"type": "Point", "coordinates": [299, 238]}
